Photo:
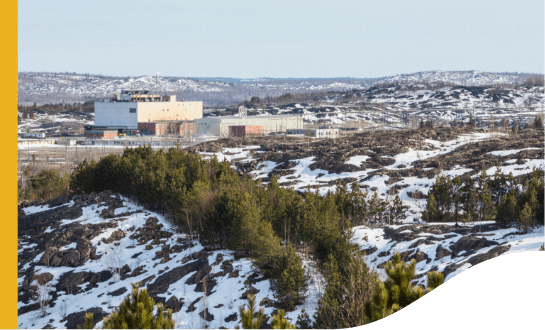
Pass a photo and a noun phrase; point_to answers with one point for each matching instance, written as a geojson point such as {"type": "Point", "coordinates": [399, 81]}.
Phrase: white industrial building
{"type": "Point", "coordinates": [219, 126]}
{"type": "Point", "coordinates": [129, 108]}
{"type": "Point", "coordinates": [320, 133]}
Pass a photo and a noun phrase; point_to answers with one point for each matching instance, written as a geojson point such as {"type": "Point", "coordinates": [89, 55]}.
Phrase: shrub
{"type": "Point", "coordinates": [280, 322]}
{"type": "Point", "coordinates": [397, 291]}
{"type": "Point", "coordinates": [135, 312]}
{"type": "Point", "coordinates": [251, 319]}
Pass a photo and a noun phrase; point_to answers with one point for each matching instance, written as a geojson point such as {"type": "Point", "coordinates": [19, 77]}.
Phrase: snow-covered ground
{"type": "Point", "coordinates": [374, 237]}
{"type": "Point", "coordinates": [222, 302]}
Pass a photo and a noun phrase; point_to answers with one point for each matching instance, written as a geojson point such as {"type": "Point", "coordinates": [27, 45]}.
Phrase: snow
{"type": "Point", "coordinates": [356, 160]}
{"type": "Point", "coordinates": [227, 290]}
{"type": "Point", "coordinates": [509, 152]}
{"type": "Point", "coordinates": [519, 169]}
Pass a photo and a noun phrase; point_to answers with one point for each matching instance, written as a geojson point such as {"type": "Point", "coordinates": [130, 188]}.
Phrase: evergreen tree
{"type": "Point", "coordinates": [291, 285]}
{"type": "Point", "coordinates": [88, 323]}
{"type": "Point", "coordinates": [303, 320]}
{"type": "Point", "coordinates": [507, 209]}
{"type": "Point", "coordinates": [431, 208]}
{"type": "Point", "coordinates": [251, 319]}
{"type": "Point", "coordinates": [525, 218]}
{"type": "Point", "coordinates": [280, 322]}
{"type": "Point", "coordinates": [135, 312]}
{"type": "Point", "coordinates": [397, 291]}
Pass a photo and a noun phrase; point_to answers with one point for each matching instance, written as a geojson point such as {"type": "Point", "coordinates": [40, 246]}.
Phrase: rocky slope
{"type": "Point", "coordinates": [89, 248]}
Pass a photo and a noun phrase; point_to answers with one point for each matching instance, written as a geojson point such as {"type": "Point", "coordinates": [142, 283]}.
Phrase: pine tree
{"type": "Point", "coordinates": [291, 286]}
{"type": "Point", "coordinates": [136, 312]}
{"type": "Point", "coordinates": [525, 218]}
{"type": "Point", "coordinates": [431, 208]}
{"type": "Point", "coordinates": [397, 291]}
{"type": "Point", "coordinates": [280, 322]}
{"type": "Point", "coordinates": [88, 323]}
{"type": "Point", "coordinates": [507, 210]}
{"type": "Point", "coordinates": [250, 319]}
{"type": "Point", "coordinates": [303, 320]}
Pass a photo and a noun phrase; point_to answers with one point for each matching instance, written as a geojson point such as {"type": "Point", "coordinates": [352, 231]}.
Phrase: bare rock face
{"type": "Point", "coordinates": [75, 319]}
{"type": "Point", "coordinates": [161, 284]}
{"type": "Point", "coordinates": [470, 244]}
{"type": "Point", "coordinates": [50, 235]}
{"type": "Point", "coordinates": [489, 255]}
{"type": "Point", "coordinates": [441, 252]}
{"type": "Point", "coordinates": [175, 304]}
{"type": "Point", "coordinates": [115, 236]}
{"type": "Point", "coordinates": [206, 315]}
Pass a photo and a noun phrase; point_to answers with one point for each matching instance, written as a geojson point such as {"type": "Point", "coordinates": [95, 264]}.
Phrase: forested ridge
{"type": "Point", "coordinates": [210, 200]}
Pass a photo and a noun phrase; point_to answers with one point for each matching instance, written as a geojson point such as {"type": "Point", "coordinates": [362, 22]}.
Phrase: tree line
{"type": "Point", "coordinates": [503, 198]}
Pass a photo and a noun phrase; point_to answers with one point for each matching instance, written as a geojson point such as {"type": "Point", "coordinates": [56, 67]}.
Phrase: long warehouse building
{"type": "Point", "coordinates": [219, 126]}
{"type": "Point", "coordinates": [125, 111]}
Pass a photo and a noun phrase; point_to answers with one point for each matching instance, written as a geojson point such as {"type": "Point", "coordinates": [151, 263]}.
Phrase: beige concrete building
{"type": "Point", "coordinates": [219, 126]}
{"type": "Point", "coordinates": [126, 112]}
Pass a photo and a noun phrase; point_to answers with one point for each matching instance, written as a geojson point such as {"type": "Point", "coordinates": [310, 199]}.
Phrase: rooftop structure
{"type": "Point", "coordinates": [129, 108]}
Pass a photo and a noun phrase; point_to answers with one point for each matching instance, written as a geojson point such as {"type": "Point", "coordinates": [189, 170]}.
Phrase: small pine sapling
{"type": "Point", "coordinates": [251, 319]}
{"type": "Point", "coordinates": [280, 321]}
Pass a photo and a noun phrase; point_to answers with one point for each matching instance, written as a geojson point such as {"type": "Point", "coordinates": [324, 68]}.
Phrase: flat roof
{"type": "Point", "coordinates": [248, 117]}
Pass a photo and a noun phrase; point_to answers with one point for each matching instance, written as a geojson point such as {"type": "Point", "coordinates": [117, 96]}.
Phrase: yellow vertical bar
{"type": "Point", "coordinates": [8, 134]}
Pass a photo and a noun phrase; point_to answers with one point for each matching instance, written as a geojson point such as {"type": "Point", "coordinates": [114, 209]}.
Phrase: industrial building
{"type": "Point", "coordinates": [243, 131]}
{"type": "Point", "coordinates": [168, 127]}
{"type": "Point", "coordinates": [128, 108]}
{"type": "Point", "coordinates": [322, 132]}
{"type": "Point", "coordinates": [101, 134]}
{"type": "Point", "coordinates": [220, 126]}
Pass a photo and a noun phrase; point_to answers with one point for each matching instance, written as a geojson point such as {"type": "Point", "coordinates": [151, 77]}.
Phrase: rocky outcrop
{"type": "Point", "coordinates": [75, 319]}
{"type": "Point", "coordinates": [161, 284]}
{"type": "Point", "coordinates": [469, 245]}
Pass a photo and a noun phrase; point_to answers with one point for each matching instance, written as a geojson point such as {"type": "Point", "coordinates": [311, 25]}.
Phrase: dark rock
{"type": "Point", "coordinates": [210, 284]}
{"type": "Point", "coordinates": [494, 252]}
{"type": "Point", "coordinates": [370, 250]}
{"type": "Point", "coordinates": [441, 252]}
{"type": "Point", "coordinates": [470, 245]}
{"type": "Point", "coordinates": [70, 281]}
{"type": "Point", "coordinates": [161, 284]}
{"type": "Point", "coordinates": [192, 307]}
{"type": "Point", "coordinates": [174, 304]}
{"type": "Point", "coordinates": [251, 290]}
{"type": "Point", "coordinates": [28, 308]}
{"type": "Point", "coordinates": [419, 256]}
{"type": "Point", "coordinates": [231, 318]}
{"type": "Point", "coordinates": [137, 271]}
{"type": "Point", "coordinates": [115, 236]}
{"type": "Point", "coordinates": [125, 269]}
{"type": "Point", "coordinates": [136, 255]}
{"type": "Point", "coordinates": [118, 292]}
{"type": "Point", "coordinates": [75, 319]}
{"type": "Point", "coordinates": [206, 315]}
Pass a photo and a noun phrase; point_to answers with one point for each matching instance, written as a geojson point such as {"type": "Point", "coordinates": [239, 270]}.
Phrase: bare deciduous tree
{"type": "Point", "coordinates": [114, 260]}
{"type": "Point", "coordinates": [43, 288]}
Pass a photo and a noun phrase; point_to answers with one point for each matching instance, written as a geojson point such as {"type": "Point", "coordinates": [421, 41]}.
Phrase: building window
{"type": "Point", "coordinates": [132, 110]}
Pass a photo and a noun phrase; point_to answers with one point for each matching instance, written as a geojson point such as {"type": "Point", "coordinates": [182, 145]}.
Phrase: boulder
{"type": "Point", "coordinates": [75, 319]}
{"type": "Point", "coordinates": [206, 315]}
{"type": "Point", "coordinates": [470, 244]}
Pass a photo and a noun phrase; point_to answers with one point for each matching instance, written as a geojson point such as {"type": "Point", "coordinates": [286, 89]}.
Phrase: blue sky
{"type": "Point", "coordinates": [247, 39]}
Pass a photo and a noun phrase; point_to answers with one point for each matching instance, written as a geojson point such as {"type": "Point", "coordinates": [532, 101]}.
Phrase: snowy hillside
{"type": "Point", "coordinates": [404, 105]}
{"type": "Point", "coordinates": [45, 87]}
{"type": "Point", "coordinates": [98, 244]}
{"type": "Point", "coordinates": [88, 249]}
